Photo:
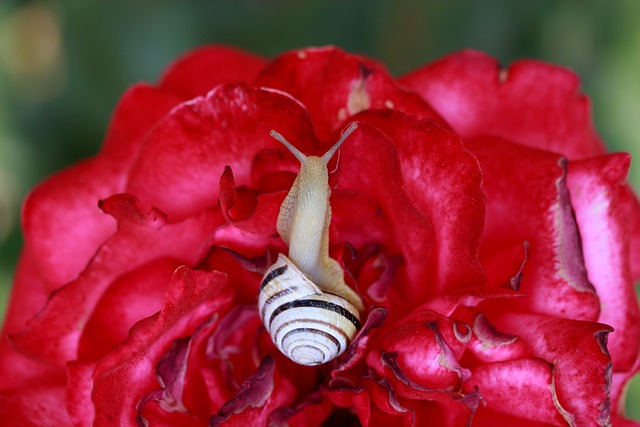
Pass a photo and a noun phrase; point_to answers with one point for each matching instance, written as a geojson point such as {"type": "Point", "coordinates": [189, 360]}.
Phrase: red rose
{"type": "Point", "coordinates": [475, 212]}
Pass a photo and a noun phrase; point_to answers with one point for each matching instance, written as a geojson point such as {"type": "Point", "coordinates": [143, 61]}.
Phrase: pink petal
{"type": "Point", "coordinates": [531, 102]}
{"type": "Point", "coordinates": [603, 205]}
{"type": "Point", "coordinates": [528, 201]}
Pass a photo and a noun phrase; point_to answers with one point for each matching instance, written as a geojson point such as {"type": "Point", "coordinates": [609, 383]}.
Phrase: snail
{"type": "Point", "coordinates": [304, 303]}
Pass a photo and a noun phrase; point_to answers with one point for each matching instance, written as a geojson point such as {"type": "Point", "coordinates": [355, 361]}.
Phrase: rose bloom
{"type": "Point", "coordinates": [475, 211]}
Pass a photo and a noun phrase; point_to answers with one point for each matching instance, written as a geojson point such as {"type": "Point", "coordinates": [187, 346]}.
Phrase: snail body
{"type": "Point", "coordinates": [304, 303]}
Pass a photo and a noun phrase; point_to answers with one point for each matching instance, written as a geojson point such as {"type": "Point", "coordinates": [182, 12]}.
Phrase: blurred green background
{"type": "Point", "coordinates": [63, 64]}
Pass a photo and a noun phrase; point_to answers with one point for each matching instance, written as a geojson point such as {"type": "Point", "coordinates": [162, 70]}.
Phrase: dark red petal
{"type": "Point", "coordinates": [54, 334]}
{"type": "Point", "coordinates": [39, 405]}
{"type": "Point", "coordinates": [523, 388]}
{"type": "Point", "coordinates": [129, 369]}
{"type": "Point", "coordinates": [579, 353]}
{"type": "Point", "coordinates": [603, 206]}
{"type": "Point", "coordinates": [531, 102]}
{"type": "Point", "coordinates": [385, 402]}
{"type": "Point", "coordinates": [444, 179]}
{"type": "Point", "coordinates": [200, 70]}
{"type": "Point", "coordinates": [335, 85]}
{"type": "Point", "coordinates": [156, 415]}
{"type": "Point", "coordinates": [528, 201]}
{"type": "Point", "coordinates": [260, 393]}
{"type": "Point", "coordinates": [312, 412]}
{"type": "Point", "coordinates": [356, 400]}
{"type": "Point", "coordinates": [357, 350]}
{"type": "Point", "coordinates": [180, 164]}
{"type": "Point", "coordinates": [230, 354]}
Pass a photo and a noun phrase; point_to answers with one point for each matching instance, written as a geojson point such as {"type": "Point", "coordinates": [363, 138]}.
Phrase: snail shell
{"type": "Point", "coordinates": [309, 326]}
{"type": "Point", "coordinates": [304, 303]}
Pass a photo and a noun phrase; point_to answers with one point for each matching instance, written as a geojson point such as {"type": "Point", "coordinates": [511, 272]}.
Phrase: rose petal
{"type": "Point", "coordinates": [472, 296]}
{"type": "Point", "coordinates": [579, 353]}
{"type": "Point", "coordinates": [487, 343]}
{"type": "Point", "coordinates": [78, 399]}
{"type": "Point", "coordinates": [368, 149]}
{"type": "Point", "coordinates": [523, 388]}
{"type": "Point", "coordinates": [192, 297]}
{"type": "Point", "coordinates": [230, 354]}
{"type": "Point", "coordinates": [358, 218]}
{"type": "Point", "coordinates": [531, 102]}
{"type": "Point", "coordinates": [129, 298]}
{"type": "Point", "coordinates": [603, 204]}
{"type": "Point", "coordinates": [64, 239]}
{"type": "Point", "coordinates": [258, 216]}
{"type": "Point", "coordinates": [192, 145]}
{"type": "Point", "coordinates": [385, 403]}
{"type": "Point", "coordinates": [313, 411]}
{"type": "Point", "coordinates": [619, 389]}
{"type": "Point", "coordinates": [528, 201]}
{"type": "Point", "coordinates": [420, 358]}
{"type": "Point", "coordinates": [635, 237]}
{"type": "Point", "coordinates": [258, 396]}
{"type": "Point", "coordinates": [138, 110]}
{"type": "Point", "coordinates": [54, 334]}
{"type": "Point", "coordinates": [357, 400]}
{"type": "Point", "coordinates": [335, 85]}
{"type": "Point", "coordinates": [357, 350]}
{"type": "Point", "coordinates": [39, 405]}
{"type": "Point", "coordinates": [200, 70]}
{"type": "Point", "coordinates": [436, 170]}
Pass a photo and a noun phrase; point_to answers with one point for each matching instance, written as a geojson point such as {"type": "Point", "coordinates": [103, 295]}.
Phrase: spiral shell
{"type": "Point", "coordinates": [309, 326]}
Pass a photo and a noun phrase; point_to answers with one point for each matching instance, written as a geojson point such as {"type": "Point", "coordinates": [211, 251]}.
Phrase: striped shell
{"type": "Point", "coordinates": [309, 326]}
